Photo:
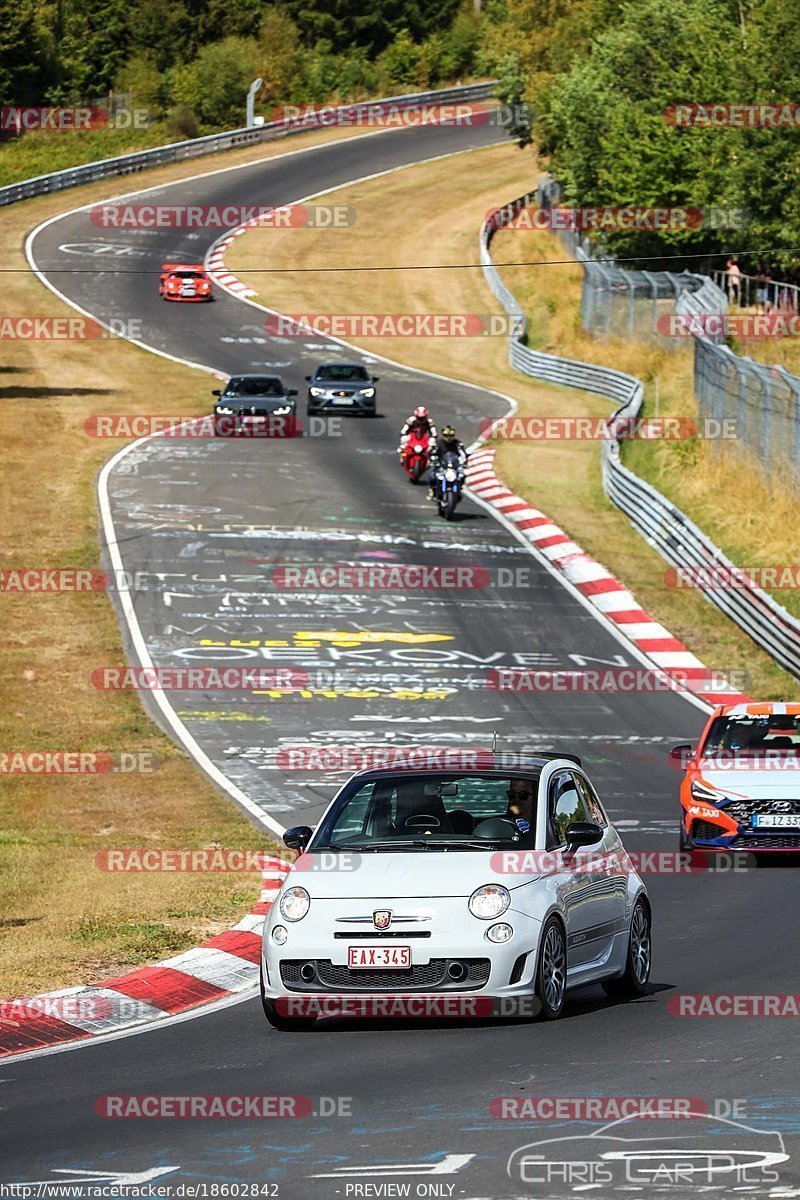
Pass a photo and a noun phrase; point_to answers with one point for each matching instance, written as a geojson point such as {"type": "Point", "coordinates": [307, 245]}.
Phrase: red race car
{"type": "Point", "coordinates": [182, 281]}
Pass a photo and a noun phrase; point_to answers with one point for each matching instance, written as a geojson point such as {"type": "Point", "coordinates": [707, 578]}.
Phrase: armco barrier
{"type": "Point", "coordinates": [664, 526]}
{"type": "Point", "coordinates": [233, 139]}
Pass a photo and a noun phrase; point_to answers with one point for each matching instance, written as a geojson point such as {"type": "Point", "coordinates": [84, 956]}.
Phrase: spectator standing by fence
{"type": "Point", "coordinates": [734, 281]}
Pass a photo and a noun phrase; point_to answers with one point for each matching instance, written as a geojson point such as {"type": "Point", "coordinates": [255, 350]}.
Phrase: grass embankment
{"type": "Point", "coordinates": [63, 921]}
{"type": "Point", "coordinates": [562, 478]}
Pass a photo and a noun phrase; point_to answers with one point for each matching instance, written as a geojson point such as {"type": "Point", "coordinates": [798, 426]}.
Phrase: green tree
{"type": "Point", "coordinates": [20, 54]}
{"type": "Point", "coordinates": [214, 85]}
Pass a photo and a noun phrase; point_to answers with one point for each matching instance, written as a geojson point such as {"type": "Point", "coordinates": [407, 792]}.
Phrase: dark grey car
{"type": "Point", "coordinates": [341, 387]}
{"type": "Point", "coordinates": [255, 396]}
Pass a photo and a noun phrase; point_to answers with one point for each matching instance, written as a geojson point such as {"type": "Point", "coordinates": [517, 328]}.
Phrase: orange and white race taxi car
{"type": "Point", "coordinates": [182, 281]}
{"type": "Point", "coordinates": [741, 788]}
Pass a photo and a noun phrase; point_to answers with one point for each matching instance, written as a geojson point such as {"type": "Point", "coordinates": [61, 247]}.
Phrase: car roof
{"type": "Point", "coordinates": [764, 708]}
{"type": "Point", "coordinates": [337, 363]}
{"type": "Point", "coordinates": [522, 765]}
{"type": "Point", "coordinates": [171, 266]}
{"type": "Point", "coordinates": [257, 375]}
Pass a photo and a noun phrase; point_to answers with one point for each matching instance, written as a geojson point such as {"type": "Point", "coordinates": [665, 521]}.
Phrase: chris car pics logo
{"type": "Point", "coordinates": [677, 1155]}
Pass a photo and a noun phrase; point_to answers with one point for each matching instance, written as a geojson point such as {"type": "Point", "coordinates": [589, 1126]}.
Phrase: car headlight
{"type": "Point", "coordinates": [489, 901]}
{"type": "Point", "coordinates": [368, 393]}
{"type": "Point", "coordinates": [294, 904]}
{"type": "Point", "coordinates": [221, 408]}
{"type": "Point", "coordinates": [701, 791]}
{"type": "Point", "coordinates": [317, 391]}
{"type": "Point", "coordinates": [500, 932]}
{"type": "Point", "coordinates": [282, 411]}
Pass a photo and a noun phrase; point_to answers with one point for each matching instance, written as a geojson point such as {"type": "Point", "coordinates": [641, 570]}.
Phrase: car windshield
{"type": "Point", "coordinates": [187, 275]}
{"type": "Point", "coordinates": [753, 735]}
{"type": "Point", "coordinates": [417, 812]}
{"type": "Point", "coordinates": [254, 386]}
{"type": "Point", "coordinates": [342, 373]}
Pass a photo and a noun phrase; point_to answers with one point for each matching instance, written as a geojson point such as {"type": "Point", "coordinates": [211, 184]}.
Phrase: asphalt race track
{"type": "Point", "coordinates": [205, 524]}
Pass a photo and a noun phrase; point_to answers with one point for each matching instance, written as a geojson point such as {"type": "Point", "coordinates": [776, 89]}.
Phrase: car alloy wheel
{"type": "Point", "coordinates": [640, 944]}
{"type": "Point", "coordinates": [551, 977]}
{"type": "Point", "coordinates": [637, 963]}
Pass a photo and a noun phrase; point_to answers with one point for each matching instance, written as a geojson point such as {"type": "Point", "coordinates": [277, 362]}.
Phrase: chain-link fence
{"type": "Point", "coordinates": [763, 401]}
{"type": "Point", "coordinates": [616, 302]}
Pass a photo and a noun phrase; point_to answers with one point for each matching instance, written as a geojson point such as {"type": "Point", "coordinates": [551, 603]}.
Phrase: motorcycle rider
{"type": "Point", "coordinates": [419, 424]}
{"type": "Point", "coordinates": [446, 443]}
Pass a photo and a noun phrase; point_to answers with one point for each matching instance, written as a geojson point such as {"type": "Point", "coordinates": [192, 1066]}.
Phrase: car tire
{"type": "Point", "coordinates": [279, 1020]}
{"type": "Point", "coordinates": [637, 961]}
{"type": "Point", "coordinates": [551, 972]}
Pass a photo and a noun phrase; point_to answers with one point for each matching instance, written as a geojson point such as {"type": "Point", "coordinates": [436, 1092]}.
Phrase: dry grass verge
{"type": "Point", "coordinates": [63, 921]}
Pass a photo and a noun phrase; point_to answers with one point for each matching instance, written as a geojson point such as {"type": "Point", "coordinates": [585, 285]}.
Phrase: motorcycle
{"type": "Point", "coordinates": [416, 456]}
{"type": "Point", "coordinates": [448, 483]}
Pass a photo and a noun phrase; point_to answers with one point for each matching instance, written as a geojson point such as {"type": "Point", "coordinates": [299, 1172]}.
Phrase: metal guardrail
{"type": "Point", "coordinates": [233, 139]}
{"type": "Point", "coordinates": [664, 526]}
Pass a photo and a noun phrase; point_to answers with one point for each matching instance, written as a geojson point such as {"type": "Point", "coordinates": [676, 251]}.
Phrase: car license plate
{"type": "Point", "coordinates": [776, 820]}
{"type": "Point", "coordinates": [371, 958]}
{"type": "Point", "coordinates": [342, 400]}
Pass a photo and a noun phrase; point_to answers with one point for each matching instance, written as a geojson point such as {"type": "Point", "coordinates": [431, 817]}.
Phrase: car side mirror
{"type": "Point", "coordinates": [216, 392]}
{"type": "Point", "coordinates": [308, 379]}
{"type": "Point", "coordinates": [681, 753]}
{"type": "Point", "coordinates": [376, 378]}
{"type": "Point", "coordinates": [292, 392]}
{"type": "Point", "coordinates": [583, 833]}
{"type": "Point", "coordinates": [298, 837]}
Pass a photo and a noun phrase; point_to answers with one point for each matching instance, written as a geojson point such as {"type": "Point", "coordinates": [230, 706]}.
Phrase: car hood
{"type": "Point", "coordinates": [767, 780]}
{"type": "Point", "coordinates": [384, 875]}
{"type": "Point", "coordinates": [243, 404]}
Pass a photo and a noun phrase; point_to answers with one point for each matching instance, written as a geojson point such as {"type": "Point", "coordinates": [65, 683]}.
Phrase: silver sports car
{"type": "Point", "coordinates": [449, 893]}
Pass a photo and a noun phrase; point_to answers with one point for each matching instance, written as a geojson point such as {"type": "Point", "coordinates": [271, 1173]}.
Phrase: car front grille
{"type": "Point", "coordinates": [431, 976]}
{"type": "Point", "coordinates": [743, 810]}
{"type": "Point", "coordinates": [705, 830]}
{"type": "Point", "coordinates": [780, 840]}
